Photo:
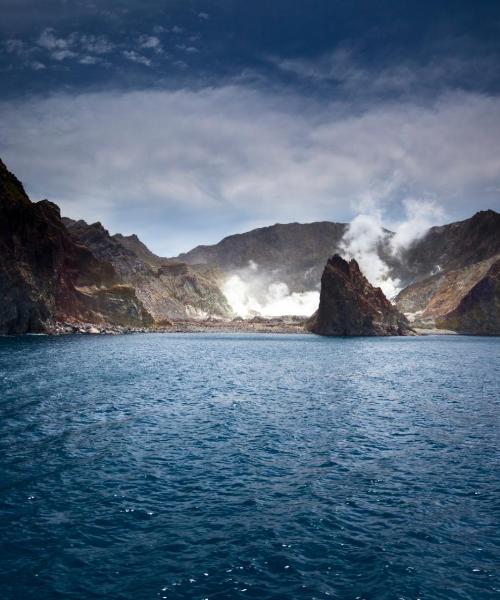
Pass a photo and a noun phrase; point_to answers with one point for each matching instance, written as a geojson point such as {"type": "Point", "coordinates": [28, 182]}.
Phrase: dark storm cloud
{"type": "Point", "coordinates": [208, 40]}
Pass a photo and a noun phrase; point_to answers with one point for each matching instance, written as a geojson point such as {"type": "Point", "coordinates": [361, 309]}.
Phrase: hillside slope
{"type": "Point", "coordinates": [168, 289]}
{"type": "Point", "coordinates": [292, 253]}
{"type": "Point", "coordinates": [444, 267]}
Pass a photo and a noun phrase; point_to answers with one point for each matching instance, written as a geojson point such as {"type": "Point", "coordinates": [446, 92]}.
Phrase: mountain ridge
{"type": "Point", "coordinates": [56, 268]}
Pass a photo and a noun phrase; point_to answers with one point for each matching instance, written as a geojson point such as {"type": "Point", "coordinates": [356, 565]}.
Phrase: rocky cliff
{"type": "Point", "coordinates": [450, 247]}
{"type": "Point", "coordinates": [350, 306]}
{"type": "Point", "coordinates": [444, 268]}
{"type": "Point", "coordinates": [478, 311]}
{"type": "Point", "coordinates": [168, 289]}
{"type": "Point", "coordinates": [45, 275]}
{"type": "Point", "coordinates": [59, 269]}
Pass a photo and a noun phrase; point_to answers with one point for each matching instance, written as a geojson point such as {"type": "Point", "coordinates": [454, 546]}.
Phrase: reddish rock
{"type": "Point", "coordinates": [350, 306]}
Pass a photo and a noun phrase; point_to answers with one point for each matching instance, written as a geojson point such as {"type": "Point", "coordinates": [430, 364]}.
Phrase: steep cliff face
{"type": "Point", "coordinates": [168, 289]}
{"type": "Point", "coordinates": [295, 254]}
{"type": "Point", "coordinates": [441, 293]}
{"type": "Point", "coordinates": [46, 276]}
{"type": "Point", "coordinates": [450, 247]}
{"type": "Point", "coordinates": [460, 256]}
{"type": "Point", "coordinates": [350, 306]}
{"type": "Point", "coordinates": [478, 311]}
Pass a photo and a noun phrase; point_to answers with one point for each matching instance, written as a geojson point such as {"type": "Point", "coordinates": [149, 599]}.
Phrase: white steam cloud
{"type": "Point", "coordinates": [420, 216]}
{"type": "Point", "coordinates": [250, 293]}
{"type": "Point", "coordinates": [366, 237]}
{"type": "Point", "coordinates": [362, 241]}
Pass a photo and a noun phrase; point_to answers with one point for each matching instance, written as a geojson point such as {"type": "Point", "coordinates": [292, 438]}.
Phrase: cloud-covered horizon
{"type": "Point", "coordinates": [185, 167]}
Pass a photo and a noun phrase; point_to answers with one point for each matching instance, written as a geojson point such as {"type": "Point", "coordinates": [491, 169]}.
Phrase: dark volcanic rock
{"type": "Point", "coordinates": [295, 254]}
{"type": "Point", "coordinates": [447, 268]}
{"type": "Point", "coordinates": [350, 306]}
{"type": "Point", "coordinates": [46, 276]}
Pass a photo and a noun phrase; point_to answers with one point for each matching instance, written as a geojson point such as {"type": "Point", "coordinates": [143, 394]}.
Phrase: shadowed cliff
{"type": "Point", "coordinates": [46, 276]}
{"type": "Point", "coordinates": [350, 306]}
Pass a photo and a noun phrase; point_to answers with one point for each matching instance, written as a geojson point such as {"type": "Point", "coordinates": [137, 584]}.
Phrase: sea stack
{"type": "Point", "coordinates": [350, 306]}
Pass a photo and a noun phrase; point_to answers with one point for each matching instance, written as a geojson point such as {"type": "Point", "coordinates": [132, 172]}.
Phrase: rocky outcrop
{"type": "Point", "coordinates": [449, 248]}
{"type": "Point", "coordinates": [54, 269]}
{"type": "Point", "coordinates": [350, 306]}
{"type": "Point", "coordinates": [436, 271]}
{"type": "Point", "coordinates": [451, 268]}
{"type": "Point", "coordinates": [45, 275]}
{"type": "Point", "coordinates": [478, 311]}
{"type": "Point", "coordinates": [434, 297]}
{"type": "Point", "coordinates": [168, 289]}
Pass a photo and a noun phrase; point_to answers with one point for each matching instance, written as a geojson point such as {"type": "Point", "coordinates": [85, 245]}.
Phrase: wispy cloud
{"type": "Point", "coordinates": [95, 44]}
{"type": "Point", "coordinates": [150, 42]}
{"type": "Point", "coordinates": [86, 48]}
{"type": "Point", "coordinates": [49, 41]}
{"type": "Point", "coordinates": [135, 57]}
{"type": "Point", "coordinates": [187, 49]}
{"type": "Point", "coordinates": [343, 68]}
{"type": "Point", "coordinates": [91, 49]}
{"type": "Point", "coordinates": [14, 46]}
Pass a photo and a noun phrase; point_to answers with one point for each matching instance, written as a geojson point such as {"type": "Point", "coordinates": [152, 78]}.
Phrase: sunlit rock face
{"type": "Point", "coordinates": [350, 306]}
{"type": "Point", "coordinates": [454, 277]}
{"type": "Point", "coordinates": [478, 311]}
{"type": "Point", "coordinates": [45, 275]}
{"type": "Point", "coordinates": [451, 247]}
{"type": "Point", "coordinates": [168, 289]}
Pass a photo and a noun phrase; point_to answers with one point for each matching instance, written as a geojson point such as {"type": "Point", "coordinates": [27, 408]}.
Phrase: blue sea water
{"type": "Point", "coordinates": [246, 466]}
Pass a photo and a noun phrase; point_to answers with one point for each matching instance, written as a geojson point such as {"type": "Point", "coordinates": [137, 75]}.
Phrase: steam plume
{"type": "Point", "coordinates": [250, 293]}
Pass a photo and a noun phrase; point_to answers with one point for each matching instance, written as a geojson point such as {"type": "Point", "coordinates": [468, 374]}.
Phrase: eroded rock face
{"type": "Point", "coordinates": [429, 300]}
{"type": "Point", "coordinates": [444, 267]}
{"type": "Point", "coordinates": [45, 275]}
{"type": "Point", "coordinates": [350, 306]}
{"type": "Point", "coordinates": [478, 311]}
{"type": "Point", "coordinates": [451, 247]}
{"type": "Point", "coordinates": [168, 289]}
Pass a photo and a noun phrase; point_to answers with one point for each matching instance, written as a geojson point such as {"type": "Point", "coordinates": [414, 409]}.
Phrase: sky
{"type": "Point", "coordinates": [185, 121]}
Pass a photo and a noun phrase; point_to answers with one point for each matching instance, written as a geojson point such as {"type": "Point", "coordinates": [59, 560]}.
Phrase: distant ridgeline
{"type": "Point", "coordinates": [54, 269]}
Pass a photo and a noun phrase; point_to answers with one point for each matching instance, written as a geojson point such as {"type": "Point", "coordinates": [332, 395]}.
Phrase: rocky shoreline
{"type": "Point", "coordinates": [210, 325]}
{"type": "Point", "coordinates": [258, 325]}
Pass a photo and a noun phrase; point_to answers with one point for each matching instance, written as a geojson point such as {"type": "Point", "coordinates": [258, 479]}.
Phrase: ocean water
{"type": "Point", "coordinates": [246, 466]}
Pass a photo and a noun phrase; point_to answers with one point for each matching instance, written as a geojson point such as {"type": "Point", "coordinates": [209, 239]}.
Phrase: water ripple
{"type": "Point", "coordinates": [247, 466]}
